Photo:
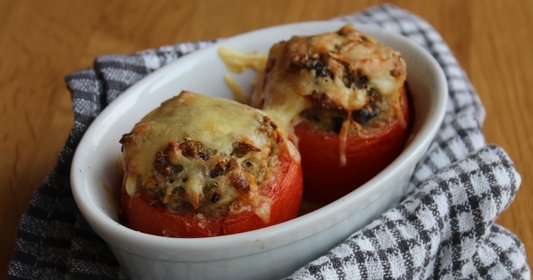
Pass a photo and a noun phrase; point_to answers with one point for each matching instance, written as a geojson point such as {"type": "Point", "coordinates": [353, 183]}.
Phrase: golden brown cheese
{"type": "Point", "coordinates": [343, 82]}
{"type": "Point", "coordinates": [238, 61]}
{"type": "Point", "coordinates": [344, 74]}
{"type": "Point", "coordinates": [204, 154]}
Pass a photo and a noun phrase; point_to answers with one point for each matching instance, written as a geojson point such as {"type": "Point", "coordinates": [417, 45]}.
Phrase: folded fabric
{"type": "Point", "coordinates": [444, 228]}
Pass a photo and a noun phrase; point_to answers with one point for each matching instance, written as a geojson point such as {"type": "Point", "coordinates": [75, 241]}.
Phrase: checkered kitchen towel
{"type": "Point", "coordinates": [443, 230]}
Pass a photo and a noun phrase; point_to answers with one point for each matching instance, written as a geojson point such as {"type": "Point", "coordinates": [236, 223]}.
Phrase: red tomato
{"type": "Point", "coordinates": [148, 214]}
{"type": "Point", "coordinates": [368, 154]}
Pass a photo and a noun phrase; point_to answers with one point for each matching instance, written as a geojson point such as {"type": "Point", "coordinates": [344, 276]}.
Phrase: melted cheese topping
{"type": "Point", "coordinates": [329, 77]}
{"type": "Point", "coordinates": [344, 66]}
{"type": "Point", "coordinates": [237, 61]}
{"type": "Point", "coordinates": [204, 154]}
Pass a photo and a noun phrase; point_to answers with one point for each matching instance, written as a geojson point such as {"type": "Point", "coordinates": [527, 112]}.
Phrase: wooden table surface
{"type": "Point", "coordinates": [41, 41]}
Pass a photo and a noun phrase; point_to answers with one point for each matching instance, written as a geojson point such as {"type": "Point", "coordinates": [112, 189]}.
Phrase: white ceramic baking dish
{"type": "Point", "coordinates": [267, 253]}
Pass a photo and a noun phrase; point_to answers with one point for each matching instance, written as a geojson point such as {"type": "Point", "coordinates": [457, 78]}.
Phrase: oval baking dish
{"type": "Point", "coordinates": [270, 252]}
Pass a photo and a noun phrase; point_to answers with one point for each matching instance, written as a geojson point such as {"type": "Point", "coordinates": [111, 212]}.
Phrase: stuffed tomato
{"type": "Point", "coordinates": [199, 166]}
{"type": "Point", "coordinates": [343, 93]}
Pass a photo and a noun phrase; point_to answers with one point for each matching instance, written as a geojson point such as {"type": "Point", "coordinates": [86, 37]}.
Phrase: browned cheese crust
{"type": "Point", "coordinates": [342, 82]}
{"type": "Point", "coordinates": [203, 154]}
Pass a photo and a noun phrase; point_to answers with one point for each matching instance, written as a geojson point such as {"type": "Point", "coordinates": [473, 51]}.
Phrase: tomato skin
{"type": "Point", "coordinates": [147, 214]}
{"type": "Point", "coordinates": [324, 179]}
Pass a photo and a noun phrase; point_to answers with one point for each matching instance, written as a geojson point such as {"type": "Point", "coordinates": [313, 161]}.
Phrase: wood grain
{"type": "Point", "coordinates": [41, 41]}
